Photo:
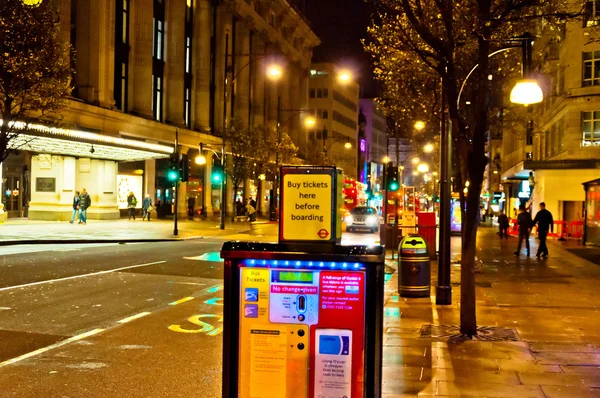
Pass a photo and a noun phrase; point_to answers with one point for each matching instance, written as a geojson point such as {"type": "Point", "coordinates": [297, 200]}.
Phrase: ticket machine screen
{"type": "Point", "coordinates": [301, 329]}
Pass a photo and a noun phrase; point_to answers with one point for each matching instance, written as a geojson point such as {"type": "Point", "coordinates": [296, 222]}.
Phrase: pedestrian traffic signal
{"type": "Point", "coordinates": [392, 177]}
{"type": "Point", "coordinates": [217, 174]}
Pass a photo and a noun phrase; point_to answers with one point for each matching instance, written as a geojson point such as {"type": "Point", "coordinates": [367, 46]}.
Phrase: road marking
{"type": "Point", "coordinates": [51, 347]}
{"type": "Point", "coordinates": [188, 283]}
{"type": "Point", "coordinates": [214, 301]}
{"type": "Point", "coordinates": [81, 276]}
{"type": "Point", "coordinates": [205, 327]}
{"type": "Point", "coordinates": [215, 288]}
{"type": "Point", "coordinates": [183, 300]}
{"type": "Point", "coordinates": [133, 317]}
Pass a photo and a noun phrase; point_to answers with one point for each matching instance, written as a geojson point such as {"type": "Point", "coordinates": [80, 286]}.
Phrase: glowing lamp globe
{"type": "Point", "coordinates": [526, 92]}
{"type": "Point", "coordinates": [32, 3]}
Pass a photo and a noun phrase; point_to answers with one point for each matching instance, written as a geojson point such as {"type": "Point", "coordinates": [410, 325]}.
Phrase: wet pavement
{"type": "Point", "coordinates": [551, 304]}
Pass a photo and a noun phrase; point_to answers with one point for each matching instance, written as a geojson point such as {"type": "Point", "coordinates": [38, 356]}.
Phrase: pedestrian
{"type": "Point", "coordinates": [524, 222]}
{"type": "Point", "coordinates": [191, 203]}
{"type": "Point", "coordinates": [251, 212]}
{"type": "Point", "coordinates": [147, 207]}
{"type": "Point", "coordinates": [545, 223]}
{"type": "Point", "coordinates": [253, 203]}
{"type": "Point", "coordinates": [75, 207]}
{"type": "Point", "coordinates": [503, 224]}
{"type": "Point", "coordinates": [131, 204]}
{"type": "Point", "coordinates": [84, 203]}
{"type": "Point", "coordinates": [239, 207]}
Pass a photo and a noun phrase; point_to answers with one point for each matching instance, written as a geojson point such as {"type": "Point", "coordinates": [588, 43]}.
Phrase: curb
{"type": "Point", "coordinates": [91, 241]}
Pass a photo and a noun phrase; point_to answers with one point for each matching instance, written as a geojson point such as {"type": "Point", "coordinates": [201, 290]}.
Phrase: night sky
{"type": "Point", "coordinates": [341, 24]}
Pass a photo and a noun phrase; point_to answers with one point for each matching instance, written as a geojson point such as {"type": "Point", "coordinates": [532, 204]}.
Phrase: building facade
{"type": "Point", "coordinates": [144, 69]}
{"type": "Point", "coordinates": [334, 105]}
{"type": "Point", "coordinates": [561, 143]}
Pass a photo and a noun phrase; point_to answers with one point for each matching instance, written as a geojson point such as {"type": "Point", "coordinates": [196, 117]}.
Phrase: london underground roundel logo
{"type": "Point", "coordinates": [323, 233]}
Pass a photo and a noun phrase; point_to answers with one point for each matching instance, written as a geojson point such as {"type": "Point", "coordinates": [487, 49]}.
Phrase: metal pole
{"type": "Point", "coordinates": [175, 230]}
{"type": "Point", "coordinates": [222, 209]}
{"type": "Point", "coordinates": [276, 190]}
{"type": "Point", "coordinates": [443, 295]}
{"type": "Point", "coordinates": [396, 219]}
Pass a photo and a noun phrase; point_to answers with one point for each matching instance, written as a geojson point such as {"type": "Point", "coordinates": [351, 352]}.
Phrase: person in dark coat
{"type": "Point", "coordinates": [84, 203]}
{"type": "Point", "coordinates": [191, 204]}
{"type": "Point", "coordinates": [545, 223]}
{"type": "Point", "coordinates": [503, 225]}
{"type": "Point", "coordinates": [524, 222]}
{"type": "Point", "coordinates": [131, 204]}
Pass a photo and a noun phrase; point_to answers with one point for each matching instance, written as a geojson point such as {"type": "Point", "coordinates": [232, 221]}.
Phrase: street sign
{"type": "Point", "coordinates": [310, 197]}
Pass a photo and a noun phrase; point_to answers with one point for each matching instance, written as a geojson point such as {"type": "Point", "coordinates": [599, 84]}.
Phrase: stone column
{"type": "Point", "coordinates": [223, 31]}
{"type": "Point", "coordinates": [175, 65]}
{"type": "Point", "coordinates": [208, 205]}
{"type": "Point", "coordinates": [246, 188]}
{"type": "Point", "coordinates": [264, 190]}
{"type": "Point", "coordinates": [258, 83]}
{"type": "Point", "coordinates": [242, 69]}
{"type": "Point", "coordinates": [302, 96]}
{"type": "Point", "coordinates": [229, 196]}
{"type": "Point", "coordinates": [201, 64]}
{"type": "Point", "coordinates": [150, 183]}
{"type": "Point", "coordinates": [64, 9]}
{"type": "Point", "coordinates": [95, 51]}
{"type": "Point", "coordinates": [141, 34]}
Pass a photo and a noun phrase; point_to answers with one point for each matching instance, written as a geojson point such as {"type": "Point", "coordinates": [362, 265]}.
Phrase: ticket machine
{"type": "Point", "coordinates": [302, 324]}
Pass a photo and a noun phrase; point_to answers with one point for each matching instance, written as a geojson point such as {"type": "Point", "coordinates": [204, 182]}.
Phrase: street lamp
{"type": "Point", "coordinates": [32, 3]}
{"type": "Point", "coordinates": [415, 160]}
{"type": "Point", "coordinates": [423, 168]}
{"type": "Point", "coordinates": [344, 76]}
{"type": "Point", "coordinates": [525, 92]}
{"type": "Point", "coordinates": [274, 72]}
{"type": "Point", "coordinates": [428, 148]}
{"type": "Point", "coordinates": [419, 125]}
{"type": "Point", "coordinates": [310, 122]}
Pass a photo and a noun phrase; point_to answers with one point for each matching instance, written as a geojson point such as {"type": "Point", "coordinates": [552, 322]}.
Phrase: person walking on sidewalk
{"type": "Point", "coordinates": [75, 207]}
{"type": "Point", "coordinates": [84, 203]}
{"type": "Point", "coordinates": [524, 222]}
{"type": "Point", "coordinates": [545, 223]}
{"type": "Point", "coordinates": [147, 207]}
{"type": "Point", "coordinates": [251, 211]}
{"type": "Point", "coordinates": [503, 225]}
{"type": "Point", "coordinates": [131, 204]}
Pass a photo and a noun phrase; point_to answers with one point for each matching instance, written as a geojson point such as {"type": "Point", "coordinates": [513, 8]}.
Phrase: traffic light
{"type": "Point", "coordinates": [392, 177]}
{"type": "Point", "coordinates": [173, 172]}
{"type": "Point", "coordinates": [184, 167]}
{"type": "Point", "coordinates": [217, 174]}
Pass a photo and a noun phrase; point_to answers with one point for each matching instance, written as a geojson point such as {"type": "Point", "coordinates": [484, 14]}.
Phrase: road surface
{"type": "Point", "coordinates": [134, 320]}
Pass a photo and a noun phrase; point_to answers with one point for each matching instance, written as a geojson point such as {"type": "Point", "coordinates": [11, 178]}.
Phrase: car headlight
{"type": "Point", "coordinates": [349, 220]}
{"type": "Point", "coordinates": [371, 220]}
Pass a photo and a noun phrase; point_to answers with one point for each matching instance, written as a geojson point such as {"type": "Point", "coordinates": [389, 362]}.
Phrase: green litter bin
{"type": "Point", "coordinates": [413, 267]}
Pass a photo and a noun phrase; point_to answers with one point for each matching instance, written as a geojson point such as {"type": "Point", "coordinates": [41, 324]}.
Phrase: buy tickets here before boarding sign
{"type": "Point", "coordinates": [307, 205]}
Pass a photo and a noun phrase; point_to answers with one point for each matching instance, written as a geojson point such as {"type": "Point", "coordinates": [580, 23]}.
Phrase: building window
{"type": "Point", "coordinates": [591, 13]}
{"type": "Point", "coordinates": [591, 128]}
{"type": "Point", "coordinates": [325, 93]}
{"type": "Point", "coordinates": [591, 68]}
{"type": "Point", "coordinates": [344, 101]}
{"type": "Point", "coordinates": [121, 54]}
{"type": "Point", "coordinates": [312, 93]}
{"type": "Point", "coordinates": [158, 64]}
{"type": "Point", "coordinates": [188, 77]}
{"type": "Point", "coordinates": [157, 90]}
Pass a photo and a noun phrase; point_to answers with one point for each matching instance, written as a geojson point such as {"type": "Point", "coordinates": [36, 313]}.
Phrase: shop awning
{"type": "Point", "coordinates": [43, 139]}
